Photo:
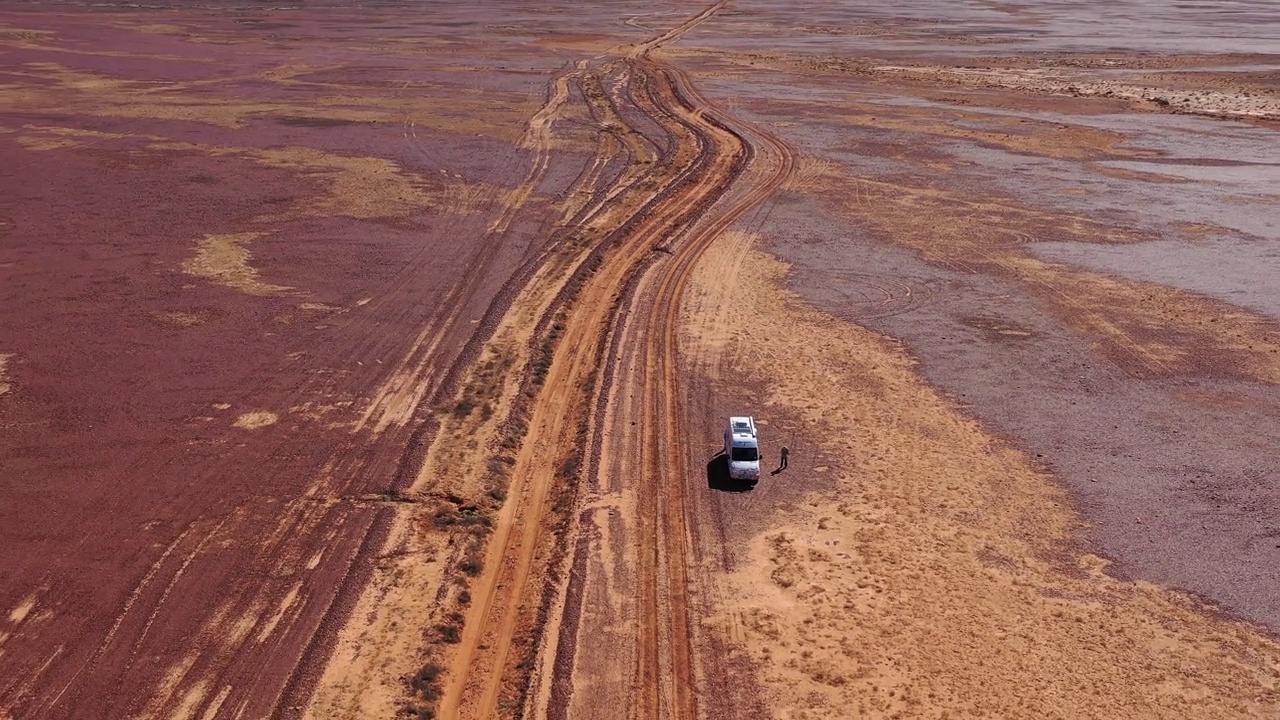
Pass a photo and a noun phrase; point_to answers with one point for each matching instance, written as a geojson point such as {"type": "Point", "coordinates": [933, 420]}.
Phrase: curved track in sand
{"type": "Point", "coordinates": [666, 677]}
{"type": "Point", "coordinates": [662, 212]}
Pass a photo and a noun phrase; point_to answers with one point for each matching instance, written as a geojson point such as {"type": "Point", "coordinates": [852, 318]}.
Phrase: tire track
{"type": "Point", "coordinates": [666, 557]}
{"type": "Point", "coordinates": [698, 163]}
{"type": "Point", "coordinates": [417, 376]}
{"type": "Point", "coordinates": [702, 158]}
{"type": "Point", "coordinates": [667, 675]}
{"type": "Point", "coordinates": [477, 675]}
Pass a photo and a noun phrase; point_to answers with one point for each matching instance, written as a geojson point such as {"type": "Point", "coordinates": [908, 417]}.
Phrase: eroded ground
{"type": "Point", "coordinates": [368, 363]}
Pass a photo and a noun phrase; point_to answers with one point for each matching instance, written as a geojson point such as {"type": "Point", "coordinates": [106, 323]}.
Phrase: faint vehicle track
{"type": "Point", "coordinates": [873, 295]}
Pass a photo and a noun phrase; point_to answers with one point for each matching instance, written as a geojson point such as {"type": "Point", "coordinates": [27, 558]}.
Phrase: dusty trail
{"type": "Point", "coordinates": [652, 572]}
{"type": "Point", "coordinates": [667, 491]}
{"type": "Point", "coordinates": [680, 30]}
{"type": "Point", "coordinates": [683, 160]}
{"type": "Point", "coordinates": [678, 496]}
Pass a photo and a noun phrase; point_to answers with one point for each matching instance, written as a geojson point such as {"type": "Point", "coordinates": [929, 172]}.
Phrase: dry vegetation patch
{"type": "Point", "coordinates": [256, 419]}
{"type": "Point", "coordinates": [5, 386]}
{"type": "Point", "coordinates": [224, 259]}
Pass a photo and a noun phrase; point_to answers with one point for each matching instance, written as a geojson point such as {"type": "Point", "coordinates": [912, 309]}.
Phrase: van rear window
{"type": "Point", "coordinates": [744, 454]}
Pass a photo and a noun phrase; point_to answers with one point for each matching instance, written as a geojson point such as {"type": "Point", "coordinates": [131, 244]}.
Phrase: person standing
{"type": "Point", "coordinates": [782, 465]}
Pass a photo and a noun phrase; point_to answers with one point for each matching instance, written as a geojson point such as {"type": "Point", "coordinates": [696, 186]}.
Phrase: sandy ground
{"type": "Point", "coordinates": [934, 572]}
{"type": "Point", "coordinates": [386, 374]}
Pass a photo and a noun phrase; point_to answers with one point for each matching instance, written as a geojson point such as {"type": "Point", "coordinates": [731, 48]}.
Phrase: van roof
{"type": "Point", "coordinates": [742, 425]}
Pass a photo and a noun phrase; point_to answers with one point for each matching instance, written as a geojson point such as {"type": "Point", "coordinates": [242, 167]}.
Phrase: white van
{"type": "Point", "coordinates": [742, 446]}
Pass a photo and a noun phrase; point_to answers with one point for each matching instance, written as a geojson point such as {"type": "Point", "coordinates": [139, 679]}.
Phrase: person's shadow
{"type": "Point", "coordinates": [718, 476]}
{"type": "Point", "coordinates": [782, 461]}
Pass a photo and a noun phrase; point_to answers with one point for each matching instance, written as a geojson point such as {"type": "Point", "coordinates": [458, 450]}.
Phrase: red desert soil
{"type": "Point", "coordinates": [243, 263]}
{"type": "Point", "coordinates": [356, 364]}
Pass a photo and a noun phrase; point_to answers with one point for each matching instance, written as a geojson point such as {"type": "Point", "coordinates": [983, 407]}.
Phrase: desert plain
{"type": "Point", "coordinates": [372, 360]}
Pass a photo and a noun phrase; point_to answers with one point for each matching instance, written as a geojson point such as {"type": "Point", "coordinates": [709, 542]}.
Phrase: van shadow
{"type": "Point", "coordinates": [718, 476]}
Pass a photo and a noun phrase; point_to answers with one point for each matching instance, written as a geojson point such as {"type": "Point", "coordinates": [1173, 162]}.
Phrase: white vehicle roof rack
{"type": "Point", "coordinates": [743, 425]}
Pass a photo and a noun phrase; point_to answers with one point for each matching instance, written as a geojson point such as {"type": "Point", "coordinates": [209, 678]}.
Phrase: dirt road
{"type": "Point", "coordinates": [662, 229]}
